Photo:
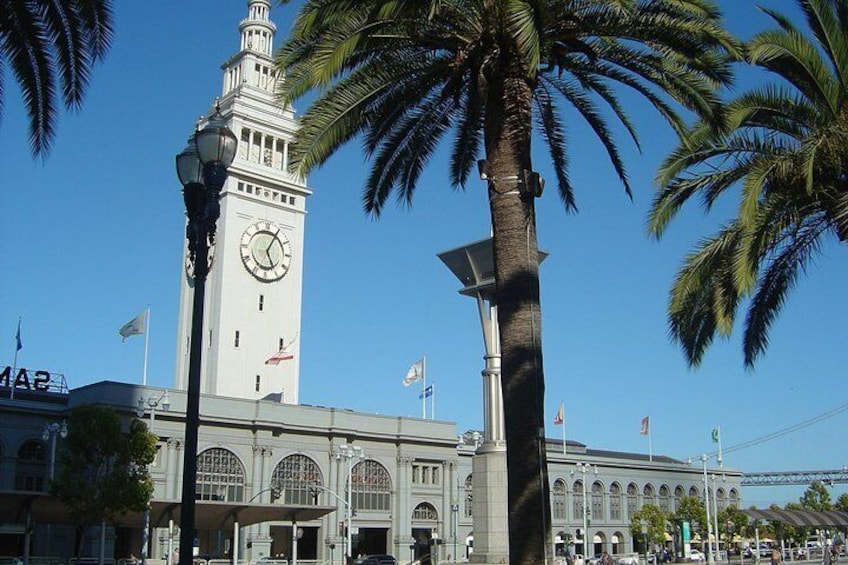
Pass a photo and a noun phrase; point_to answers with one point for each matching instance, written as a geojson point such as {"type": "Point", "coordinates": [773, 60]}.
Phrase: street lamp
{"type": "Point", "coordinates": [710, 556]}
{"type": "Point", "coordinates": [202, 170]}
{"type": "Point", "coordinates": [582, 468]}
{"type": "Point", "coordinates": [348, 452]}
{"type": "Point", "coordinates": [49, 434]}
{"type": "Point", "coordinates": [152, 403]}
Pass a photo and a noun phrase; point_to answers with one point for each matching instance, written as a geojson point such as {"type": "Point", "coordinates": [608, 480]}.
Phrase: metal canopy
{"type": "Point", "coordinates": [209, 515]}
{"type": "Point", "coordinates": [801, 518]}
{"type": "Point", "coordinates": [474, 265]}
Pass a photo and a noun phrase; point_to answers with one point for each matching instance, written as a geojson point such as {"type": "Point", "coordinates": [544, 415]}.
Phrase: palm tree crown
{"type": "Point", "coordinates": [40, 39]}
{"type": "Point", "coordinates": [404, 75]}
{"type": "Point", "coordinates": [787, 147]}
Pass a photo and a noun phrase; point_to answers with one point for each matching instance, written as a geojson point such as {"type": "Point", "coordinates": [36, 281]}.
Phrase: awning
{"type": "Point", "coordinates": [209, 515]}
{"type": "Point", "coordinates": [801, 518]}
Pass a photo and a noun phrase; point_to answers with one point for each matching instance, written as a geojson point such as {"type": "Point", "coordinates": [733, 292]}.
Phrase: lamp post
{"type": "Point", "coordinates": [348, 452]}
{"type": "Point", "coordinates": [645, 539]}
{"type": "Point", "coordinates": [710, 556]}
{"type": "Point", "coordinates": [151, 403]}
{"type": "Point", "coordinates": [202, 170]}
{"type": "Point", "coordinates": [715, 520]}
{"type": "Point", "coordinates": [49, 434]}
{"type": "Point", "coordinates": [582, 468]}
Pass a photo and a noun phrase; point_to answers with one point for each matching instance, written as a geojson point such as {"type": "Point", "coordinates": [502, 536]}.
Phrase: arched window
{"type": "Point", "coordinates": [693, 492]}
{"type": "Point", "coordinates": [32, 466]}
{"type": "Point", "coordinates": [721, 499]}
{"type": "Point", "coordinates": [632, 500]}
{"type": "Point", "coordinates": [426, 512]}
{"type": "Point", "coordinates": [220, 476]}
{"type": "Point", "coordinates": [664, 499]}
{"type": "Point", "coordinates": [734, 498]}
{"type": "Point", "coordinates": [558, 499]}
{"type": "Point", "coordinates": [648, 495]}
{"type": "Point", "coordinates": [469, 496]}
{"type": "Point", "coordinates": [597, 501]}
{"type": "Point", "coordinates": [294, 476]}
{"type": "Point", "coordinates": [615, 501]}
{"type": "Point", "coordinates": [577, 499]}
{"type": "Point", "coordinates": [372, 487]}
{"type": "Point", "coordinates": [679, 494]}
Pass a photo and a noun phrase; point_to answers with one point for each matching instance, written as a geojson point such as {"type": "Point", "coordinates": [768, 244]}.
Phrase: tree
{"type": "Point", "coordinates": [104, 468]}
{"type": "Point", "coordinates": [655, 519]}
{"type": "Point", "coordinates": [787, 147]}
{"type": "Point", "coordinates": [39, 40]}
{"type": "Point", "coordinates": [692, 510]}
{"type": "Point", "coordinates": [816, 498]}
{"type": "Point", "coordinates": [842, 502]}
{"type": "Point", "coordinates": [403, 74]}
{"type": "Point", "coordinates": [731, 520]}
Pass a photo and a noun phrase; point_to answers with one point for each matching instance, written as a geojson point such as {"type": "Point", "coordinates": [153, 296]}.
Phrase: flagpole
{"type": "Point", "coordinates": [650, 447]}
{"type": "Point", "coordinates": [146, 342]}
{"type": "Point", "coordinates": [563, 427]}
{"type": "Point", "coordinates": [423, 387]}
{"type": "Point", "coordinates": [720, 459]}
{"type": "Point", "coordinates": [432, 401]}
{"type": "Point", "coordinates": [15, 363]}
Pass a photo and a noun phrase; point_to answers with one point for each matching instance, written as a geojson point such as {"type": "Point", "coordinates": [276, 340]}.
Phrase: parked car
{"type": "Point", "coordinates": [628, 559]}
{"type": "Point", "coordinates": [696, 555]}
{"type": "Point", "coordinates": [375, 559]}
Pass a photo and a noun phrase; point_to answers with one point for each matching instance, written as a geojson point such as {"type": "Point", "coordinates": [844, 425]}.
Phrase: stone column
{"type": "Point", "coordinates": [403, 513]}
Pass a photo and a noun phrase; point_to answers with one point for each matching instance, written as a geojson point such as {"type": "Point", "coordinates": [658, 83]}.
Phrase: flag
{"type": "Point", "coordinates": [646, 426]}
{"type": "Point", "coordinates": [415, 373]}
{"type": "Point", "coordinates": [281, 355]}
{"type": "Point", "coordinates": [558, 419]}
{"type": "Point", "coordinates": [18, 343]}
{"type": "Point", "coordinates": [716, 435]}
{"type": "Point", "coordinates": [136, 326]}
{"type": "Point", "coordinates": [426, 393]}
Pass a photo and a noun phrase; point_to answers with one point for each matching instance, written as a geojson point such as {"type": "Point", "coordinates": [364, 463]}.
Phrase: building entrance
{"type": "Point", "coordinates": [307, 543]}
{"type": "Point", "coordinates": [371, 540]}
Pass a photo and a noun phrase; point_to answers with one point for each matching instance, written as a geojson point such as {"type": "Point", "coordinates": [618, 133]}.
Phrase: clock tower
{"type": "Point", "coordinates": [253, 290]}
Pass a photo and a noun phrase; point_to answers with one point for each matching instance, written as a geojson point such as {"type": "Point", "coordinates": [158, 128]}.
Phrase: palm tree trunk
{"type": "Point", "coordinates": [519, 317]}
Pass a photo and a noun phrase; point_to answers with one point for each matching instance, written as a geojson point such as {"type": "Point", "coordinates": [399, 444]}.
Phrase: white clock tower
{"type": "Point", "coordinates": [253, 291]}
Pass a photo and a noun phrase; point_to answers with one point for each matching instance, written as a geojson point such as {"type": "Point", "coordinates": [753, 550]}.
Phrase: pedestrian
{"type": "Point", "coordinates": [776, 557]}
{"type": "Point", "coordinates": [606, 559]}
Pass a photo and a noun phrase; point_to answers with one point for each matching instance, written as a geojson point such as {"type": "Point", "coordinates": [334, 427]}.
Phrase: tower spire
{"type": "Point", "coordinates": [257, 29]}
{"type": "Point", "coordinates": [253, 64]}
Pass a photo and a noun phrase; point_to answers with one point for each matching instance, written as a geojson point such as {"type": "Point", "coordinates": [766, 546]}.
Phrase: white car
{"type": "Point", "coordinates": [628, 559]}
{"type": "Point", "coordinates": [696, 555]}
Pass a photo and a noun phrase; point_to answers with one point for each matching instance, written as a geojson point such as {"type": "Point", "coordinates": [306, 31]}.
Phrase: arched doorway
{"type": "Point", "coordinates": [425, 519]}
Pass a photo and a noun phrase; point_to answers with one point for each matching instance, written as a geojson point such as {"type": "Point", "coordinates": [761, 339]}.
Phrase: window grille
{"type": "Point", "coordinates": [220, 476]}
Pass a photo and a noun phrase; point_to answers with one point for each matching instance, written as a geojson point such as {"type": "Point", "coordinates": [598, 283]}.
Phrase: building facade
{"type": "Point", "coordinates": [413, 488]}
{"type": "Point", "coordinates": [417, 487]}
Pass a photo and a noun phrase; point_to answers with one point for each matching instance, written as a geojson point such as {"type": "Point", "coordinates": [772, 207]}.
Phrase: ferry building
{"type": "Point", "coordinates": [274, 475]}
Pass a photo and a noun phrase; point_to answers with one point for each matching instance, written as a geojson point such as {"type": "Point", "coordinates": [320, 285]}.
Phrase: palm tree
{"type": "Point", "coordinates": [787, 146]}
{"type": "Point", "coordinates": [40, 39]}
{"type": "Point", "coordinates": [403, 74]}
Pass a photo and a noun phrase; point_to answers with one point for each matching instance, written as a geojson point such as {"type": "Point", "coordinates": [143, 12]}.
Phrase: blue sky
{"type": "Point", "coordinates": [94, 234]}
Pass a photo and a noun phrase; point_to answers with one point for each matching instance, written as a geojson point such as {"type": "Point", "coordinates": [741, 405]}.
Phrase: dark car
{"type": "Point", "coordinates": [376, 559]}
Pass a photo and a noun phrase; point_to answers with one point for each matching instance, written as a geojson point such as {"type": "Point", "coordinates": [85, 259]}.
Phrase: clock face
{"type": "Point", "coordinates": [265, 251]}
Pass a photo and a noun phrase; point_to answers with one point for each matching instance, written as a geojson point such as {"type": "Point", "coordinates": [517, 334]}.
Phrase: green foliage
{"type": "Point", "coordinates": [784, 151]}
{"type": "Point", "coordinates": [44, 42]}
{"type": "Point", "coordinates": [816, 498]}
{"type": "Point", "coordinates": [103, 468]}
{"type": "Point", "coordinates": [656, 520]}
{"type": "Point", "coordinates": [738, 522]}
{"type": "Point", "coordinates": [691, 509]}
{"type": "Point", "coordinates": [842, 502]}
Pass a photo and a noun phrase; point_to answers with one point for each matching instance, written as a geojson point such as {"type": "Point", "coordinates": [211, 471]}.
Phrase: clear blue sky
{"type": "Point", "coordinates": [93, 235]}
